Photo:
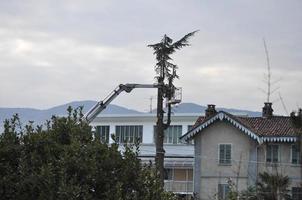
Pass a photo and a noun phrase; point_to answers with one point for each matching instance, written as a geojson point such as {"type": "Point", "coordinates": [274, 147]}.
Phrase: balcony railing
{"type": "Point", "coordinates": [183, 187]}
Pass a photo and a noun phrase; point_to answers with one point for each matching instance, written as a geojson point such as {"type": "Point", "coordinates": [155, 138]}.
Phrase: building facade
{"type": "Point", "coordinates": [179, 158]}
{"type": "Point", "coordinates": [237, 148]}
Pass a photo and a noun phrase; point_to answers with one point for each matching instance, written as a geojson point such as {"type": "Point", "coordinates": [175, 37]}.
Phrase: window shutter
{"type": "Point", "coordinates": [221, 153]}
{"type": "Point", "coordinates": [268, 154]}
{"type": "Point", "coordinates": [220, 191]}
{"type": "Point", "coordinates": [275, 153]}
{"type": "Point", "coordinates": [295, 154]}
{"type": "Point", "coordinates": [228, 153]}
{"type": "Point", "coordinates": [223, 190]}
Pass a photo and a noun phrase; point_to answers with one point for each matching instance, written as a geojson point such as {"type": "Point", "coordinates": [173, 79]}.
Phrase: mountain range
{"type": "Point", "coordinates": [40, 116]}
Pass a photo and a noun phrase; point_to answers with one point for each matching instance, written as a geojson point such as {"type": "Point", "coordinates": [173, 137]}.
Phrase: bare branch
{"type": "Point", "coordinates": [283, 104]}
{"type": "Point", "coordinates": [276, 81]}
{"type": "Point", "coordinates": [262, 90]}
{"type": "Point", "coordinates": [274, 90]}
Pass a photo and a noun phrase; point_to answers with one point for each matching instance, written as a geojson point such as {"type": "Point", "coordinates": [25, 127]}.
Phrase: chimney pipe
{"type": "Point", "coordinates": [267, 110]}
{"type": "Point", "coordinates": [210, 111]}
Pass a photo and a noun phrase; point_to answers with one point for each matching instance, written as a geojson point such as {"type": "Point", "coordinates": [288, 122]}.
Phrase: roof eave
{"type": "Point", "coordinates": [220, 116]}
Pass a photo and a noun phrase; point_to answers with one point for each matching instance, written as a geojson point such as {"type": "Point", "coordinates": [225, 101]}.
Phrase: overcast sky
{"type": "Point", "coordinates": [53, 52]}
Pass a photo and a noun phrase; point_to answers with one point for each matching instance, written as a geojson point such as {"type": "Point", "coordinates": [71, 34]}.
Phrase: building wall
{"type": "Point", "coordinates": [148, 121]}
{"type": "Point", "coordinates": [211, 172]}
{"type": "Point", "coordinates": [284, 166]}
{"type": "Point", "coordinates": [248, 159]}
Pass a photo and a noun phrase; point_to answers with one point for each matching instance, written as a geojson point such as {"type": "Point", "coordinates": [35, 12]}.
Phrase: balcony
{"type": "Point", "coordinates": [181, 187]}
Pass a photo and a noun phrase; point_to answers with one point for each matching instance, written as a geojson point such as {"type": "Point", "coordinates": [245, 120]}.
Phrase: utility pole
{"type": "Point", "coordinates": [166, 72]}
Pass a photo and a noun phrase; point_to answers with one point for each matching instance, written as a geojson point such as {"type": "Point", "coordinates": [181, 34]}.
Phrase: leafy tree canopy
{"type": "Point", "coordinates": [64, 161]}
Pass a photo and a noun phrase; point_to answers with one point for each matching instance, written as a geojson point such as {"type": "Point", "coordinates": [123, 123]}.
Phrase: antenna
{"type": "Point", "coordinates": [268, 72]}
{"type": "Point", "coordinates": [268, 76]}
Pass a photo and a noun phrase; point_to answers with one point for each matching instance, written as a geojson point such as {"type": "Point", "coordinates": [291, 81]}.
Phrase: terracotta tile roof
{"type": "Point", "coordinates": [273, 126]}
{"type": "Point", "coordinates": [200, 120]}
{"type": "Point", "coordinates": [276, 126]}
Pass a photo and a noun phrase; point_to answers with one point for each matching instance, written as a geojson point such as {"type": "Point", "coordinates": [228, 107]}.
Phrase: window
{"type": "Point", "coordinates": [223, 190]}
{"type": "Point", "coordinates": [225, 154]}
{"type": "Point", "coordinates": [295, 154]}
{"type": "Point", "coordinates": [178, 174]}
{"type": "Point", "coordinates": [296, 193]}
{"type": "Point", "coordinates": [102, 133]}
{"type": "Point", "coordinates": [172, 134]}
{"type": "Point", "coordinates": [129, 134]}
{"type": "Point", "coordinates": [272, 153]}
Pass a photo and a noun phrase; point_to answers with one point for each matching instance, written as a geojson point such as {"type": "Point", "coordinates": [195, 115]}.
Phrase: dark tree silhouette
{"type": "Point", "coordinates": [166, 72]}
{"type": "Point", "coordinates": [273, 186]}
{"type": "Point", "coordinates": [63, 161]}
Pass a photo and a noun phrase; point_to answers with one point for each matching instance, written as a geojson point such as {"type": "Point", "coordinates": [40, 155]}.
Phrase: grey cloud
{"type": "Point", "coordinates": [53, 52]}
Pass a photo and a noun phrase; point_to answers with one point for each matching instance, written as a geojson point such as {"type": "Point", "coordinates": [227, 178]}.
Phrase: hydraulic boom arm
{"type": "Point", "coordinates": [101, 105]}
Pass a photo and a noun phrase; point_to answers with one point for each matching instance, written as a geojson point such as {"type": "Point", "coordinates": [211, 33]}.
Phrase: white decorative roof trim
{"type": "Point", "coordinates": [279, 139]}
{"type": "Point", "coordinates": [221, 116]}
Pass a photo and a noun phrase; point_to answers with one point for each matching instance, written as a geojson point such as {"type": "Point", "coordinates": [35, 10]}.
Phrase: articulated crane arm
{"type": "Point", "coordinates": [101, 105]}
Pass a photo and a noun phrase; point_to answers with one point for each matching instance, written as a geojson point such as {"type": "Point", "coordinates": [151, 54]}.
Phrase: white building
{"type": "Point", "coordinates": [178, 157]}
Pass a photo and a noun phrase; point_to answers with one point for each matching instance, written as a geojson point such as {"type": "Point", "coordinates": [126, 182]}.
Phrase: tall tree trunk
{"type": "Point", "coordinates": [159, 140]}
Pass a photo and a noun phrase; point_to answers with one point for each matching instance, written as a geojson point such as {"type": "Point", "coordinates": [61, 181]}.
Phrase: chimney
{"type": "Point", "coordinates": [267, 110]}
{"type": "Point", "coordinates": [210, 111]}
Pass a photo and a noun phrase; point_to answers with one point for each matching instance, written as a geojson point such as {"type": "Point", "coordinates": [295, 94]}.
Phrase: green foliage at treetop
{"type": "Point", "coordinates": [63, 161]}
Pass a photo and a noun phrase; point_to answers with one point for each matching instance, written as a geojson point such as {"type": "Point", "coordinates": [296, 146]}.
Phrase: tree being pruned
{"type": "Point", "coordinates": [165, 75]}
{"type": "Point", "coordinates": [164, 68]}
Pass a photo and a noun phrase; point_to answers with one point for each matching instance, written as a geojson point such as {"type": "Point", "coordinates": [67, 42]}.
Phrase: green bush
{"type": "Point", "coordinates": [63, 161]}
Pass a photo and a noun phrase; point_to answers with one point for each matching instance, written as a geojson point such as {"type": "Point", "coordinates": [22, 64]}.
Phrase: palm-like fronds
{"type": "Point", "coordinates": [273, 186]}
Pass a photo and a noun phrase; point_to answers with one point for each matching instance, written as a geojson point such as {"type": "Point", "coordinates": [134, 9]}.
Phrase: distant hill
{"type": "Point", "coordinates": [111, 109]}
{"type": "Point", "coordinates": [195, 108]}
{"type": "Point", "coordinates": [40, 116]}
